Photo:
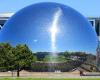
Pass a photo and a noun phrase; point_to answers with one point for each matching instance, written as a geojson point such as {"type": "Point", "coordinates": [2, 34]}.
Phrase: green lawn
{"type": "Point", "coordinates": [48, 79]}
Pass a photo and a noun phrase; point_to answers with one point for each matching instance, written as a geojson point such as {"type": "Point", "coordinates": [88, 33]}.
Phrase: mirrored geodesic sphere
{"type": "Point", "coordinates": [50, 27]}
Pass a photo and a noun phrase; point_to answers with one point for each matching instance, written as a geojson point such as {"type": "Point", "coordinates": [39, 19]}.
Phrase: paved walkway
{"type": "Point", "coordinates": [47, 74]}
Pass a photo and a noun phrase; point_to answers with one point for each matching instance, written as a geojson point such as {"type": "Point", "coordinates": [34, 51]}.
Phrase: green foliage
{"type": "Point", "coordinates": [15, 58]}
{"type": "Point", "coordinates": [41, 55]}
{"type": "Point", "coordinates": [7, 56]}
{"type": "Point", "coordinates": [24, 57]}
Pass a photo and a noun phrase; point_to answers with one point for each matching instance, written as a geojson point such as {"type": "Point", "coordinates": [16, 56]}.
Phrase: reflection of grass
{"type": "Point", "coordinates": [48, 79]}
{"type": "Point", "coordinates": [55, 59]}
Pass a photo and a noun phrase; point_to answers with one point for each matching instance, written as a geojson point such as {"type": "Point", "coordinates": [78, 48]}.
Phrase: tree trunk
{"type": "Point", "coordinates": [18, 73]}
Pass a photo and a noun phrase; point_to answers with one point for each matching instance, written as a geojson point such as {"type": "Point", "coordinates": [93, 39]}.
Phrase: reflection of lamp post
{"type": "Point", "coordinates": [98, 56]}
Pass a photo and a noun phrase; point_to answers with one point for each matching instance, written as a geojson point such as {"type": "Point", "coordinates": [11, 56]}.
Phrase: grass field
{"type": "Point", "coordinates": [49, 79]}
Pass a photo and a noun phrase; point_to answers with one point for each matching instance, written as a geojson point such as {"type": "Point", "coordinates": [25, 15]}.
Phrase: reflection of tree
{"type": "Point", "coordinates": [20, 57]}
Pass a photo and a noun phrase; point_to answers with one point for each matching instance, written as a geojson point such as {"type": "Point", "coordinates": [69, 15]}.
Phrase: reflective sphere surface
{"type": "Point", "coordinates": [50, 27]}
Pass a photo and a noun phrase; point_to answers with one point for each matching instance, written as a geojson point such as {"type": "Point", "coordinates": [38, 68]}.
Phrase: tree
{"type": "Point", "coordinates": [18, 57]}
{"type": "Point", "coordinates": [6, 56]}
{"type": "Point", "coordinates": [24, 57]}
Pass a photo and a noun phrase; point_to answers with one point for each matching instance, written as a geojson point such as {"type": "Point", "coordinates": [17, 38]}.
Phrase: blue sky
{"type": "Point", "coordinates": [90, 8]}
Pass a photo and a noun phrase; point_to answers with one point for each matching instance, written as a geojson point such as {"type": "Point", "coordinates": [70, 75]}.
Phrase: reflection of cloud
{"type": "Point", "coordinates": [35, 40]}
{"type": "Point", "coordinates": [54, 28]}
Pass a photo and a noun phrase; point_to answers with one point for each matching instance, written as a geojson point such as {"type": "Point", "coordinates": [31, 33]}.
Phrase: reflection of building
{"type": "Point", "coordinates": [96, 24]}
{"type": "Point", "coordinates": [4, 17]}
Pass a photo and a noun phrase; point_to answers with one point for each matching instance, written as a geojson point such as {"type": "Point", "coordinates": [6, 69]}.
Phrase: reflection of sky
{"type": "Point", "coordinates": [31, 26]}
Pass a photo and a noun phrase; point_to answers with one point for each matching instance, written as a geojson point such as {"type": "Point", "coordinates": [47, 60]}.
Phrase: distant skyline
{"type": "Point", "coordinates": [89, 8]}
